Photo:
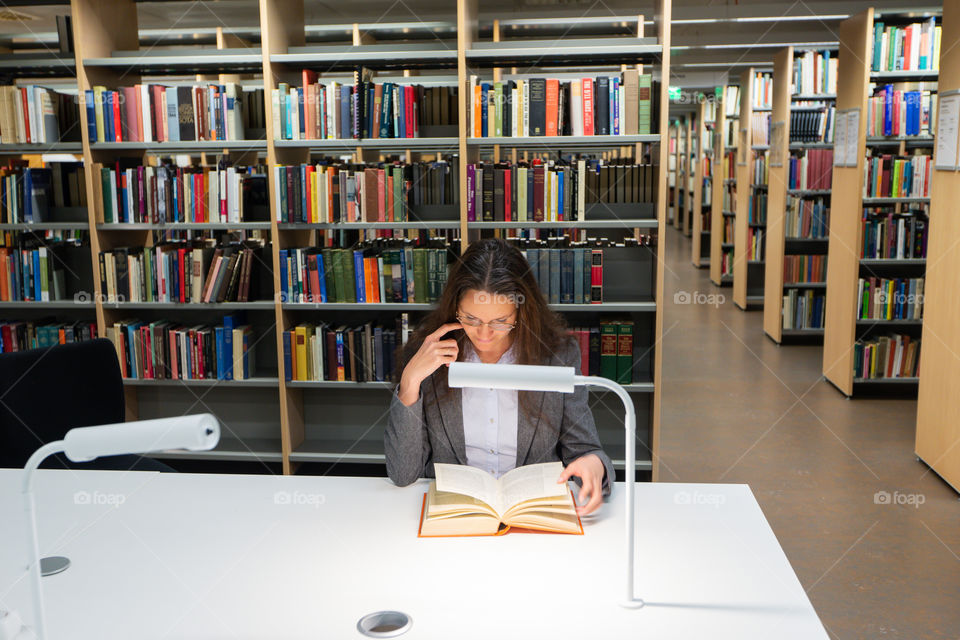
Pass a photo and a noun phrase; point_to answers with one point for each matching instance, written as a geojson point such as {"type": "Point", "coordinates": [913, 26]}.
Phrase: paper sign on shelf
{"type": "Point", "coordinates": [948, 108]}
{"type": "Point", "coordinates": [853, 137]}
{"type": "Point", "coordinates": [840, 139]}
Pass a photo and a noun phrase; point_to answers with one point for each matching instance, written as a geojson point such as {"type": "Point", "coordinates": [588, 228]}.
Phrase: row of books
{"type": "Point", "coordinates": [726, 262]}
{"type": "Point", "coordinates": [888, 176]}
{"type": "Point", "coordinates": [372, 273]}
{"type": "Point", "coordinates": [760, 174]}
{"type": "Point", "coordinates": [760, 128]}
{"type": "Point", "coordinates": [569, 275]}
{"type": "Point", "coordinates": [320, 111]}
{"type": "Point", "coordinates": [158, 113]}
{"type": "Point", "coordinates": [815, 72]}
{"type": "Point", "coordinates": [729, 191]}
{"type": "Point", "coordinates": [812, 126]}
{"type": "Point", "coordinates": [362, 353]}
{"type": "Point", "coordinates": [893, 112]}
{"type": "Point", "coordinates": [731, 101]}
{"type": "Point", "coordinates": [762, 97]}
{"type": "Point", "coordinates": [130, 191]}
{"type": "Point", "coordinates": [798, 269]}
{"type": "Point", "coordinates": [892, 356]}
{"type": "Point", "coordinates": [164, 350]}
{"type": "Point", "coordinates": [20, 335]}
{"type": "Point", "coordinates": [806, 218]}
{"type": "Point", "coordinates": [36, 115]}
{"type": "Point", "coordinates": [383, 192]}
{"type": "Point", "coordinates": [31, 274]}
{"type": "Point", "coordinates": [890, 299]}
{"type": "Point", "coordinates": [607, 351]}
{"type": "Point", "coordinates": [803, 309]}
{"type": "Point", "coordinates": [550, 192]}
{"type": "Point", "coordinates": [757, 207]}
{"type": "Point", "coordinates": [30, 193]}
{"type": "Point", "coordinates": [728, 229]}
{"type": "Point", "coordinates": [755, 238]}
{"type": "Point", "coordinates": [915, 46]}
{"type": "Point", "coordinates": [624, 104]}
{"type": "Point", "coordinates": [811, 169]}
{"type": "Point", "coordinates": [183, 272]}
{"type": "Point", "coordinates": [892, 235]}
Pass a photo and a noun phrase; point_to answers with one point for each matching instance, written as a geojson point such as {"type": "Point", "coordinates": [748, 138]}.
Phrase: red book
{"type": "Point", "coordinates": [309, 187]}
{"type": "Point", "coordinates": [314, 272]}
{"type": "Point", "coordinates": [411, 113]}
{"type": "Point", "coordinates": [596, 276]}
{"type": "Point", "coordinates": [390, 212]}
{"type": "Point", "coordinates": [309, 78]}
{"type": "Point", "coordinates": [130, 113]}
{"type": "Point", "coordinates": [552, 105]}
{"type": "Point", "coordinates": [538, 176]}
{"type": "Point", "coordinates": [587, 106]}
{"type": "Point", "coordinates": [507, 193]}
{"type": "Point", "coordinates": [26, 113]}
{"type": "Point", "coordinates": [381, 195]}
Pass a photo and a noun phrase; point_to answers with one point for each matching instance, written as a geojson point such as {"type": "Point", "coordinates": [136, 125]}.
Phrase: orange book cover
{"type": "Point", "coordinates": [477, 124]}
{"type": "Point", "coordinates": [309, 78]}
{"type": "Point", "coordinates": [504, 528]}
{"type": "Point", "coordinates": [552, 105]}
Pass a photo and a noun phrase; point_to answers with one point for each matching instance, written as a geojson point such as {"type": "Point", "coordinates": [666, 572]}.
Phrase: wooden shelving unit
{"type": "Point", "coordinates": [845, 267]}
{"type": "Point", "coordinates": [672, 174]}
{"type": "Point", "coordinates": [700, 233]}
{"type": "Point", "coordinates": [689, 170]}
{"type": "Point", "coordinates": [717, 185]}
{"type": "Point", "coordinates": [938, 398]}
{"type": "Point", "coordinates": [777, 245]}
{"type": "Point", "coordinates": [680, 187]}
{"type": "Point", "coordinates": [266, 418]}
{"type": "Point", "coordinates": [747, 275]}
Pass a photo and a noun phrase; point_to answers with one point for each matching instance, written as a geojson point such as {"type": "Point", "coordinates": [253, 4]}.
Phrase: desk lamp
{"type": "Point", "coordinates": [526, 377]}
{"type": "Point", "coordinates": [199, 432]}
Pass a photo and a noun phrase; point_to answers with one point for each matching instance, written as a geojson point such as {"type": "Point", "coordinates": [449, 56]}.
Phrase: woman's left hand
{"type": "Point", "coordinates": [589, 468]}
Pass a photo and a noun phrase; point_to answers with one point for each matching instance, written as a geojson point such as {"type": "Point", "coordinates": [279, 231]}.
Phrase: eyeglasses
{"type": "Point", "coordinates": [495, 324]}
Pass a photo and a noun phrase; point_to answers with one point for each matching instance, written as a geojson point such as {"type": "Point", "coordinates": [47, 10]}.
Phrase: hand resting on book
{"type": "Point", "coordinates": [589, 468]}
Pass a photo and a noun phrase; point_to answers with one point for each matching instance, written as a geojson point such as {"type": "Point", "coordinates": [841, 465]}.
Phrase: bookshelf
{"type": "Point", "coordinates": [271, 420]}
{"type": "Point", "coordinates": [680, 186]}
{"type": "Point", "coordinates": [778, 244]}
{"type": "Point", "coordinates": [689, 171]}
{"type": "Point", "coordinates": [718, 185]}
{"type": "Point", "coordinates": [700, 233]}
{"type": "Point", "coordinates": [747, 274]}
{"type": "Point", "coordinates": [937, 430]}
{"type": "Point", "coordinates": [842, 329]}
{"type": "Point", "coordinates": [672, 170]}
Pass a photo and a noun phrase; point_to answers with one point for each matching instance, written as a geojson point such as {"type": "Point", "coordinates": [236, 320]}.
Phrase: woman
{"type": "Point", "coordinates": [492, 310]}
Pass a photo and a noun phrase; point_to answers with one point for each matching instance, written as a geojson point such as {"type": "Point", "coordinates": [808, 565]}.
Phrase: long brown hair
{"type": "Point", "coordinates": [496, 267]}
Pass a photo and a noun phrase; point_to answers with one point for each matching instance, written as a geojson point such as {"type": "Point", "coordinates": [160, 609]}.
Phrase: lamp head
{"type": "Point", "coordinates": [519, 377]}
{"type": "Point", "coordinates": [194, 433]}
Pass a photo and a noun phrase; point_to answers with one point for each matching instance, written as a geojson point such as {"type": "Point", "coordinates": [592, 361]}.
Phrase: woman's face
{"type": "Point", "coordinates": [492, 309]}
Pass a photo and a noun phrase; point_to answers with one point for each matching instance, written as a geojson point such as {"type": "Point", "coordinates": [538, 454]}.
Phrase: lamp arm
{"type": "Point", "coordinates": [630, 429]}
{"type": "Point", "coordinates": [33, 543]}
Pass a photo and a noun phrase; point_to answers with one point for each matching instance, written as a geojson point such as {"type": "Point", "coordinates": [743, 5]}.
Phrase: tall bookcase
{"type": "Point", "coordinates": [723, 201]}
{"type": "Point", "coordinates": [778, 245]}
{"type": "Point", "coordinates": [747, 273]}
{"type": "Point", "coordinates": [842, 327]}
{"type": "Point", "coordinates": [700, 234]}
{"type": "Point", "coordinates": [672, 173]}
{"type": "Point", "coordinates": [689, 168]}
{"type": "Point", "coordinates": [938, 398]}
{"type": "Point", "coordinates": [267, 418]}
{"type": "Point", "coordinates": [680, 187]}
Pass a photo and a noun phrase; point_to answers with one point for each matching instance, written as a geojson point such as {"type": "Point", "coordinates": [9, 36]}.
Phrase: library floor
{"type": "Point", "coordinates": [738, 408]}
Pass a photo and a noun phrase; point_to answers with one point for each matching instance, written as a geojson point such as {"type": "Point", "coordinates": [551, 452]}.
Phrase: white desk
{"type": "Point", "coordinates": [216, 556]}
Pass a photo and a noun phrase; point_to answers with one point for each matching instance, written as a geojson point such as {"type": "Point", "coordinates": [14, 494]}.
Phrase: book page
{"type": "Point", "coordinates": [476, 483]}
{"type": "Point", "coordinates": [530, 482]}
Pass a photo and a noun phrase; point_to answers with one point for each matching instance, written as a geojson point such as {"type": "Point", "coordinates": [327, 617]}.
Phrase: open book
{"type": "Point", "coordinates": [466, 501]}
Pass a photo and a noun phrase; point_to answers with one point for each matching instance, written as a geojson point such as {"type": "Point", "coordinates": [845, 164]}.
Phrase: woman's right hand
{"type": "Point", "coordinates": [433, 353]}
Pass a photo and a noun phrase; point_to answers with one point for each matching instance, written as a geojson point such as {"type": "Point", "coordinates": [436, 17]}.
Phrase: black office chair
{"type": "Point", "coordinates": [46, 392]}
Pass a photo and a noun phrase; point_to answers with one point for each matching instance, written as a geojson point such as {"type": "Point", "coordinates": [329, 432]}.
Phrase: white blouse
{"type": "Point", "coordinates": [490, 422]}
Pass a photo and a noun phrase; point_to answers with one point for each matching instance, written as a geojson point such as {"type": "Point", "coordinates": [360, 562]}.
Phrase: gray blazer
{"type": "Point", "coordinates": [431, 429]}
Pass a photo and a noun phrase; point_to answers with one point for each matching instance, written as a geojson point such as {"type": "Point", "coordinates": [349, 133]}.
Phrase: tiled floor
{"type": "Point", "coordinates": [738, 408]}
